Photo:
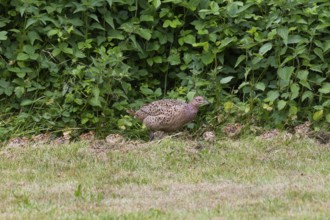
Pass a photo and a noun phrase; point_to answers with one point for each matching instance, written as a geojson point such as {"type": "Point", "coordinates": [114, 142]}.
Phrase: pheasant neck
{"type": "Point", "coordinates": [191, 111]}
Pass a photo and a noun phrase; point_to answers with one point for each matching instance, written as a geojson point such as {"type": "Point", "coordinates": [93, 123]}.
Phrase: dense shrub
{"type": "Point", "coordinates": [81, 64]}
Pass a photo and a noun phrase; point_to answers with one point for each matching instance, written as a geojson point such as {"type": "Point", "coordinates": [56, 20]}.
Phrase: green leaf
{"type": "Point", "coordinates": [325, 88]}
{"type": "Point", "coordinates": [166, 23]}
{"type": "Point", "coordinates": [4, 84]}
{"type": "Point", "coordinates": [4, 22]}
{"type": "Point", "coordinates": [145, 33]}
{"type": "Point", "coordinates": [226, 80]}
{"type": "Point", "coordinates": [265, 48]}
{"type": "Point", "coordinates": [326, 103]}
{"type": "Point", "coordinates": [21, 74]}
{"type": "Point", "coordinates": [316, 68]}
{"type": "Point", "coordinates": [78, 101]}
{"type": "Point", "coordinates": [228, 106]}
{"type": "Point", "coordinates": [302, 74]}
{"type": "Point", "coordinates": [189, 39]}
{"type": "Point", "coordinates": [305, 84]}
{"type": "Point", "coordinates": [293, 110]}
{"type": "Point", "coordinates": [56, 52]}
{"type": "Point", "coordinates": [52, 32]}
{"type": "Point", "coordinates": [239, 60]}
{"type": "Point", "coordinates": [272, 95]}
{"type": "Point", "coordinates": [67, 50]}
{"type": "Point", "coordinates": [146, 18]}
{"type": "Point", "coordinates": [208, 58]}
{"type": "Point", "coordinates": [158, 92]}
{"type": "Point", "coordinates": [6, 88]}
{"type": "Point", "coordinates": [318, 115]}
{"type": "Point", "coordinates": [287, 59]}
{"type": "Point", "coordinates": [247, 72]}
{"type": "Point", "coordinates": [319, 53]}
{"type": "Point", "coordinates": [109, 2]}
{"type": "Point", "coordinates": [232, 9]}
{"type": "Point", "coordinates": [114, 34]}
{"type": "Point", "coordinates": [109, 19]}
{"type": "Point", "coordinates": [307, 94]}
{"type": "Point", "coordinates": [97, 26]}
{"type": "Point", "coordinates": [285, 73]}
{"type": "Point", "coordinates": [3, 35]}
{"type": "Point", "coordinates": [123, 123]}
{"type": "Point", "coordinates": [22, 56]}
{"type": "Point", "coordinates": [19, 91]}
{"type": "Point", "coordinates": [328, 118]}
{"type": "Point", "coordinates": [326, 46]}
{"type": "Point", "coordinates": [158, 59]}
{"type": "Point", "coordinates": [294, 90]}
{"type": "Point", "coordinates": [135, 44]}
{"type": "Point", "coordinates": [156, 3]}
{"type": "Point", "coordinates": [29, 49]}
{"type": "Point", "coordinates": [95, 101]}
{"type": "Point", "coordinates": [94, 17]}
{"type": "Point", "coordinates": [261, 86]}
{"type": "Point", "coordinates": [175, 23]}
{"type": "Point", "coordinates": [256, 60]}
{"type": "Point", "coordinates": [174, 59]}
{"type": "Point", "coordinates": [33, 36]}
{"type": "Point", "coordinates": [30, 22]}
{"type": "Point", "coordinates": [284, 34]}
{"type": "Point", "coordinates": [225, 42]}
{"type": "Point", "coordinates": [244, 85]}
{"type": "Point", "coordinates": [295, 39]}
{"type": "Point", "coordinates": [205, 45]}
{"type": "Point", "coordinates": [146, 91]}
{"type": "Point", "coordinates": [281, 104]}
{"type": "Point", "coordinates": [150, 61]}
{"type": "Point", "coordinates": [26, 102]}
{"type": "Point", "coordinates": [96, 92]}
{"type": "Point", "coordinates": [191, 95]}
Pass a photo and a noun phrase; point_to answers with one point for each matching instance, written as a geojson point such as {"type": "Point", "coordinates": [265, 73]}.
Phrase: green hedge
{"type": "Point", "coordinates": [81, 64]}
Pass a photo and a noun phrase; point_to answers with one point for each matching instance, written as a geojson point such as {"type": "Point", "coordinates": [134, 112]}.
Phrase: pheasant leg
{"type": "Point", "coordinates": [151, 135]}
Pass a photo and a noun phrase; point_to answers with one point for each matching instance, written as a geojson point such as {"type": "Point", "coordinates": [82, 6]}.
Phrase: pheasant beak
{"type": "Point", "coordinates": [205, 102]}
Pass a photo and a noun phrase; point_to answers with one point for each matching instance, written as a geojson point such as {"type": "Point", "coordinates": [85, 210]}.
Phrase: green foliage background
{"type": "Point", "coordinates": [81, 64]}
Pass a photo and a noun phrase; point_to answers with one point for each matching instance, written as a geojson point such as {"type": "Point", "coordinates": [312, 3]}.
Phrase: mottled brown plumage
{"type": "Point", "coordinates": [167, 114]}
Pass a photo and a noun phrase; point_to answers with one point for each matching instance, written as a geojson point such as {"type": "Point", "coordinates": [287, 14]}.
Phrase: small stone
{"type": "Point", "coordinates": [60, 140]}
{"type": "Point", "coordinates": [18, 142]}
{"type": "Point", "coordinates": [113, 139]}
{"type": "Point", "coordinates": [233, 130]}
{"type": "Point", "coordinates": [41, 138]}
{"type": "Point", "coordinates": [303, 130]}
{"type": "Point", "coordinates": [67, 135]}
{"type": "Point", "coordinates": [287, 136]}
{"type": "Point", "coordinates": [269, 135]}
{"type": "Point", "coordinates": [209, 136]}
{"type": "Point", "coordinates": [89, 136]}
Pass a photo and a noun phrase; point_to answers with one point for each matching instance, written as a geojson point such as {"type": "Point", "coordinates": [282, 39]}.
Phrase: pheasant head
{"type": "Point", "coordinates": [198, 101]}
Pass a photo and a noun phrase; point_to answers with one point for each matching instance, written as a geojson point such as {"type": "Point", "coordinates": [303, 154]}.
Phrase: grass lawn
{"type": "Point", "coordinates": [171, 179]}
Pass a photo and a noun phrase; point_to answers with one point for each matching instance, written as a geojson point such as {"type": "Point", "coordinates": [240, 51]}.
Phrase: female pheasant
{"type": "Point", "coordinates": [168, 114]}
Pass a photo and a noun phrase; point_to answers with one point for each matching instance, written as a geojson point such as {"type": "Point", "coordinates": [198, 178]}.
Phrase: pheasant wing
{"type": "Point", "coordinates": [160, 107]}
{"type": "Point", "coordinates": [168, 121]}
